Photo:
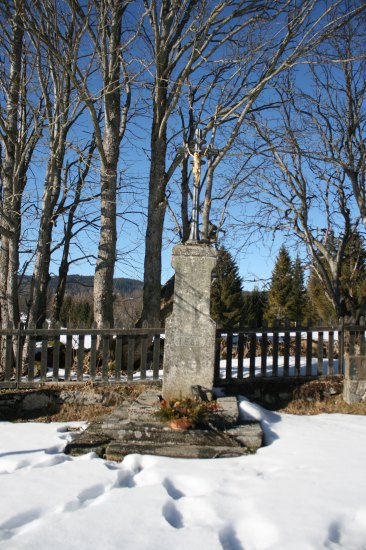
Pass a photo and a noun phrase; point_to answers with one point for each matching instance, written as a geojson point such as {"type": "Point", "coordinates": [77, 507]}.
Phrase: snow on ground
{"type": "Point", "coordinates": [234, 370]}
{"type": "Point", "coordinates": [305, 490]}
{"type": "Point", "coordinates": [280, 367]}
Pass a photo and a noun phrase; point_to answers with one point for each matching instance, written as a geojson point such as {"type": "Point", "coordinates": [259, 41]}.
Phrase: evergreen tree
{"type": "Point", "coordinates": [280, 292]}
{"type": "Point", "coordinates": [226, 295]}
{"type": "Point", "coordinates": [77, 311]}
{"type": "Point", "coordinates": [297, 303]}
{"type": "Point", "coordinates": [353, 277]}
{"type": "Point", "coordinates": [320, 306]}
{"type": "Point", "coordinates": [255, 303]}
{"type": "Point", "coordinates": [352, 284]}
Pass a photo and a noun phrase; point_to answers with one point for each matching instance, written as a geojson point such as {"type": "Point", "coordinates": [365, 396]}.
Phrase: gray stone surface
{"type": "Point", "coordinates": [354, 391]}
{"type": "Point", "coordinates": [35, 401]}
{"type": "Point", "coordinates": [114, 451]}
{"type": "Point", "coordinates": [122, 432]}
{"type": "Point", "coordinates": [189, 352]}
{"type": "Point", "coordinates": [143, 408]}
{"type": "Point", "coordinates": [229, 408]}
{"type": "Point", "coordinates": [354, 387]}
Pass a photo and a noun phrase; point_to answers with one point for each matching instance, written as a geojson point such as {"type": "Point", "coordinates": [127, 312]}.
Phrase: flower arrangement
{"type": "Point", "coordinates": [186, 413]}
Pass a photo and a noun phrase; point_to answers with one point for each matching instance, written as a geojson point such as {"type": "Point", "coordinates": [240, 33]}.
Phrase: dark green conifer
{"type": "Point", "coordinates": [77, 312]}
{"type": "Point", "coordinates": [352, 282]}
{"type": "Point", "coordinates": [255, 303]}
{"type": "Point", "coordinates": [226, 293]}
{"type": "Point", "coordinates": [280, 291]}
{"type": "Point", "coordinates": [297, 303]}
{"type": "Point", "coordinates": [321, 308]}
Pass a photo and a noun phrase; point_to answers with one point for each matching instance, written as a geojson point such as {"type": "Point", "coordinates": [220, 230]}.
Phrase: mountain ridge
{"type": "Point", "coordinates": [84, 283]}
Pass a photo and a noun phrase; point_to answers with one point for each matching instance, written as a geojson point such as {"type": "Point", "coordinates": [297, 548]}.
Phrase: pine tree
{"type": "Point", "coordinates": [352, 284]}
{"type": "Point", "coordinates": [255, 303]}
{"type": "Point", "coordinates": [77, 311]}
{"type": "Point", "coordinates": [280, 291]}
{"type": "Point", "coordinates": [320, 306]}
{"type": "Point", "coordinates": [226, 295]}
{"type": "Point", "coordinates": [297, 303]}
{"type": "Point", "coordinates": [353, 277]}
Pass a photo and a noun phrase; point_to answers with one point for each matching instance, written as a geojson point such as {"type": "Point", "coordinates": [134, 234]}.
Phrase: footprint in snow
{"type": "Point", "coordinates": [12, 526]}
{"type": "Point", "coordinates": [172, 491]}
{"type": "Point", "coordinates": [172, 515]}
{"type": "Point", "coordinates": [86, 498]}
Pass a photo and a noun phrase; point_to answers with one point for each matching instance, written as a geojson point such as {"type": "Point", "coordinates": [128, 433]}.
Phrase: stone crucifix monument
{"type": "Point", "coordinates": [189, 353]}
{"type": "Point", "coordinates": [189, 359]}
{"type": "Point", "coordinates": [190, 332]}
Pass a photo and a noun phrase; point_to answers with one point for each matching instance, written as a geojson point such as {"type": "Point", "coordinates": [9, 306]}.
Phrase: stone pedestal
{"type": "Point", "coordinates": [354, 388]}
{"type": "Point", "coordinates": [189, 352]}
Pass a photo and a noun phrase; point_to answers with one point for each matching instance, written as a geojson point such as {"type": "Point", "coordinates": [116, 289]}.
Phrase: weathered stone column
{"type": "Point", "coordinates": [190, 333]}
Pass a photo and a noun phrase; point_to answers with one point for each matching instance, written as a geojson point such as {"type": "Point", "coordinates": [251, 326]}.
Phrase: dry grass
{"type": "Point", "coordinates": [71, 412]}
{"type": "Point", "coordinates": [329, 405]}
{"type": "Point", "coordinates": [112, 396]}
{"type": "Point", "coordinates": [311, 398]}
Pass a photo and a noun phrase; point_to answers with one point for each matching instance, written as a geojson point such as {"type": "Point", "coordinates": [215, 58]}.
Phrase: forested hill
{"type": "Point", "coordinates": [77, 284]}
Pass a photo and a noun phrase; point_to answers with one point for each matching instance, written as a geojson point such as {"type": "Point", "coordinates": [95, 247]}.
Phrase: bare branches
{"type": "Point", "coordinates": [311, 151]}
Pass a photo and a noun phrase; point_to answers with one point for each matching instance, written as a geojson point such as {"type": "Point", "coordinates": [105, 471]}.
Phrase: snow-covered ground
{"type": "Point", "coordinates": [280, 367]}
{"type": "Point", "coordinates": [305, 490]}
{"type": "Point", "coordinates": [234, 370]}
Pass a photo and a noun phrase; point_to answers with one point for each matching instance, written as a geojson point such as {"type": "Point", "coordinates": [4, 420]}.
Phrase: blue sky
{"type": "Point", "coordinates": [255, 261]}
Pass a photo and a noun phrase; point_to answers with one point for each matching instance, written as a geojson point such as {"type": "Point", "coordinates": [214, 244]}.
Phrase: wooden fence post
{"type": "Point", "coordinates": [286, 351]}
{"type": "Point", "coordinates": [264, 347]}
{"type": "Point", "coordinates": [253, 350]}
{"type": "Point", "coordinates": [309, 348]}
{"type": "Point", "coordinates": [217, 357]}
{"type": "Point", "coordinates": [56, 354]}
{"type": "Point", "coordinates": [44, 354]}
{"type": "Point", "coordinates": [275, 348]}
{"type": "Point", "coordinates": [19, 355]}
{"type": "Point", "coordinates": [341, 346]}
{"type": "Point", "coordinates": [30, 354]}
{"type": "Point", "coordinates": [229, 355]}
{"type": "Point", "coordinates": [240, 355]}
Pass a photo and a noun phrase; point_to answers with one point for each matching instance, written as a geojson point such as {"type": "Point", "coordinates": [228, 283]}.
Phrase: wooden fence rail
{"type": "Point", "coordinates": [33, 356]}
{"type": "Point", "coordinates": [288, 351]}
{"type": "Point", "coordinates": [41, 355]}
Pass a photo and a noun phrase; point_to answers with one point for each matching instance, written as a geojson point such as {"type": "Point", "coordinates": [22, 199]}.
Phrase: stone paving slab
{"type": "Point", "coordinates": [125, 431]}
{"type": "Point", "coordinates": [116, 451]}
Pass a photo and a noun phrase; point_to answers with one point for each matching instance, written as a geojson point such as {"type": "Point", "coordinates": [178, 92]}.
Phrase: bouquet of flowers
{"type": "Point", "coordinates": [186, 413]}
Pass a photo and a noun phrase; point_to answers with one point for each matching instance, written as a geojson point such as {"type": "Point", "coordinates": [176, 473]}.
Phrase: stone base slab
{"type": "Point", "coordinates": [354, 391]}
{"type": "Point", "coordinates": [122, 433]}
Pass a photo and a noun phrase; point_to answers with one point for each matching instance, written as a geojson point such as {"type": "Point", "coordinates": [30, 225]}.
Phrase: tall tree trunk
{"type": "Point", "coordinates": [41, 276]}
{"type": "Point", "coordinates": [185, 200]}
{"type": "Point", "coordinates": [111, 62]}
{"type": "Point", "coordinates": [11, 199]}
{"type": "Point", "coordinates": [155, 224]}
{"type": "Point", "coordinates": [103, 278]}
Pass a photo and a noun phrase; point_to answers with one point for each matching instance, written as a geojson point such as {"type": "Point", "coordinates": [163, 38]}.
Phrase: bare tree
{"type": "Point", "coordinates": [306, 172]}
{"type": "Point", "coordinates": [182, 37]}
{"type": "Point", "coordinates": [337, 109]}
{"type": "Point", "coordinates": [100, 44]}
{"type": "Point", "coordinates": [71, 227]}
{"type": "Point", "coordinates": [62, 108]}
{"type": "Point", "coordinates": [270, 38]}
{"type": "Point", "coordinates": [20, 129]}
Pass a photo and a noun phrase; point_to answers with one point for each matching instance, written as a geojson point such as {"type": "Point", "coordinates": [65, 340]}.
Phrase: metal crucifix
{"type": "Point", "coordinates": [197, 163]}
{"type": "Point", "coordinates": [197, 154]}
